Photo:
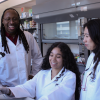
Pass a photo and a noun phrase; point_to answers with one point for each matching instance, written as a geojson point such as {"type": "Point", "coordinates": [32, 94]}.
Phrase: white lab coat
{"type": "Point", "coordinates": [92, 86]}
{"type": "Point", "coordinates": [43, 88]}
{"type": "Point", "coordinates": [15, 67]}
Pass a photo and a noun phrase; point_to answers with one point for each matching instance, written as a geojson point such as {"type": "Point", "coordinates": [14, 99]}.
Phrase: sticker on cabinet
{"type": "Point", "coordinates": [84, 8]}
{"type": "Point", "coordinates": [37, 16]}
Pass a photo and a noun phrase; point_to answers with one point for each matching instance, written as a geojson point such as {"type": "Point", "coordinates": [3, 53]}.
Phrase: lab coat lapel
{"type": "Point", "coordinates": [48, 77]}
{"type": "Point", "coordinates": [57, 75]}
{"type": "Point", "coordinates": [10, 43]}
{"type": "Point", "coordinates": [19, 46]}
{"type": "Point", "coordinates": [87, 76]}
{"type": "Point", "coordinates": [0, 44]}
{"type": "Point", "coordinates": [17, 41]}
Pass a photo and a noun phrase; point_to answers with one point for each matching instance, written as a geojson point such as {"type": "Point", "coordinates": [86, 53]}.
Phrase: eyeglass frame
{"type": "Point", "coordinates": [9, 19]}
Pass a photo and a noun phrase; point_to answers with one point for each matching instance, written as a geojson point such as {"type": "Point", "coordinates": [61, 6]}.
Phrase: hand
{"type": "Point", "coordinates": [5, 90]}
{"type": "Point", "coordinates": [30, 77]}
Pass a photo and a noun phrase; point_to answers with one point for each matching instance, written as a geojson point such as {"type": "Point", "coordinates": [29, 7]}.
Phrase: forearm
{"type": "Point", "coordinates": [7, 91]}
{"type": "Point", "coordinates": [36, 66]}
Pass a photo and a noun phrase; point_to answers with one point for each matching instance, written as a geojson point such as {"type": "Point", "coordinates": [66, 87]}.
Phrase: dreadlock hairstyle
{"type": "Point", "coordinates": [93, 27]}
{"type": "Point", "coordinates": [21, 35]}
{"type": "Point", "coordinates": [68, 63]}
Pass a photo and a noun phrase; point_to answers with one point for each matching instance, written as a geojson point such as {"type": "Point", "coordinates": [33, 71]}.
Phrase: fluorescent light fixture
{"type": "Point", "coordinates": [1, 1]}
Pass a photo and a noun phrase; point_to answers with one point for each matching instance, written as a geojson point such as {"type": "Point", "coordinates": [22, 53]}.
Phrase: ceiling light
{"type": "Point", "coordinates": [1, 1]}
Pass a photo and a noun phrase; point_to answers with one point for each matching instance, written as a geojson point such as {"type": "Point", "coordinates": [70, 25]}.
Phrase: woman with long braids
{"type": "Point", "coordinates": [59, 78]}
{"type": "Point", "coordinates": [17, 48]}
{"type": "Point", "coordinates": [90, 89]}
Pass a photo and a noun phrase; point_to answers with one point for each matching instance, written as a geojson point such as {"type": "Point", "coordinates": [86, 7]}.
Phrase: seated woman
{"type": "Point", "coordinates": [59, 78]}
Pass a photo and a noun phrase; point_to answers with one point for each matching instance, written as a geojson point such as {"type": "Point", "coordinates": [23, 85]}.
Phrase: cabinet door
{"type": "Point", "coordinates": [40, 1]}
{"type": "Point", "coordinates": [86, 2]}
{"type": "Point", "coordinates": [60, 30]}
{"type": "Point", "coordinates": [53, 5]}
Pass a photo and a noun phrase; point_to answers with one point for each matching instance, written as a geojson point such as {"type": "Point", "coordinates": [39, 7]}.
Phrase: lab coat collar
{"type": "Point", "coordinates": [48, 76]}
{"type": "Point", "coordinates": [11, 43]}
{"type": "Point", "coordinates": [18, 41]}
{"type": "Point", "coordinates": [0, 37]}
{"type": "Point", "coordinates": [57, 74]}
{"type": "Point", "coordinates": [92, 55]}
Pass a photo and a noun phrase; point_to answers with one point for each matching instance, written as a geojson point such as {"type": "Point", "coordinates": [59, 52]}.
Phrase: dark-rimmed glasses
{"type": "Point", "coordinates": [9, 19]}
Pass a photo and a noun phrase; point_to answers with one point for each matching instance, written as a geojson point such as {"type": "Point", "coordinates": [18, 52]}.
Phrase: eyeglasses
{"type": "Point", "coordinates": [9, 19]}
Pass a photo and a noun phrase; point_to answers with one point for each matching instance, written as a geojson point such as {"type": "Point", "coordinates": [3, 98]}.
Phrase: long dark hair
{"type": "Point", "coordinates": [68, 63]}
{"type": "Point", "coordinates": [93, 27]}
{"type": "Point", "coordinates": [19, 31]}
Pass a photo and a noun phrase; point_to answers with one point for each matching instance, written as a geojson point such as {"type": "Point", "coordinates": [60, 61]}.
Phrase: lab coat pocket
{"type": "Point", "coordinates": [21, 55]}
{"type": "Point", "coordinates": [90, 89]}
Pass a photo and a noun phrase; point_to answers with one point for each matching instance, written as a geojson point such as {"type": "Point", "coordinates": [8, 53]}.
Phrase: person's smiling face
{"type": "Point", "coordinates": [11, 21]}
{"type": "Point", "coordinates": [90, 45]}
{"type": "Point", "coordinates": [55, 59]}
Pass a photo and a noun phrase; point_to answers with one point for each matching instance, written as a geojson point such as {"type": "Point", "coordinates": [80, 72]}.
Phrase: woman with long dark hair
{"type": "Point", "coordinates": [59, 78]}
{"type": "Point", "coordinates": [90, 89]}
